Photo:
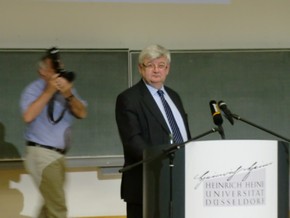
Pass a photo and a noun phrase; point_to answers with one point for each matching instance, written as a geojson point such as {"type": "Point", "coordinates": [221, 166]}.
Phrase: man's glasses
{"type": "Point", "coordinates": [150, 66]}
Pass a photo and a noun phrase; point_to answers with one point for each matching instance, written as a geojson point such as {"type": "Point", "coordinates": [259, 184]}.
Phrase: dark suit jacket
{"type": "Point", "coordinates": [141, 125]}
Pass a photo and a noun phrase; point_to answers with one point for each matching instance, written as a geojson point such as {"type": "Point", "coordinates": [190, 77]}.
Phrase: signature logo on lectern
{"type": "Point", "coordinates": [243, 186]}
{"type": "Point", "coordinates": [229, 174]}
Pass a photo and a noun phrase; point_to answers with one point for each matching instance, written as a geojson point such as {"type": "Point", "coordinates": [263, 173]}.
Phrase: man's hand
{"type": "Point", "coordinates": [63, 86]}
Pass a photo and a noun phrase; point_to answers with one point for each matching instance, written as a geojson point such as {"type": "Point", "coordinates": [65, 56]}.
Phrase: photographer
{"type": "Point", "coordinates": [49, 106]}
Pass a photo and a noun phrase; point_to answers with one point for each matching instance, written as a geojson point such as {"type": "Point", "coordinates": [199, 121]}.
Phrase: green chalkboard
{"type": "Point", "coordinates": [255, 84]}
{"type": "Point", "coordinates": [101, 75]}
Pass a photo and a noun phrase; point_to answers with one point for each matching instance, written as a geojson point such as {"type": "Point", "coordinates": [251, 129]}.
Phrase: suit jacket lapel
{"type": "Point", "coordinates": [152, 106]}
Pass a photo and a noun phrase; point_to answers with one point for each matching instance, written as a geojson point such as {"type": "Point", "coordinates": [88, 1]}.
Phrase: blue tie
{"type": "Point", "coordinates": [174, 127]}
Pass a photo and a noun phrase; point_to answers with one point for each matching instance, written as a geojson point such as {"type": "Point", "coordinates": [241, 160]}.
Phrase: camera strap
{"type": "Point", "coordinates": [50, 111]}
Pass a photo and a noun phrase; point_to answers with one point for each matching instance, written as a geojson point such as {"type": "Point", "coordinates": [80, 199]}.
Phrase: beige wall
{"type": "Point", "coordinates": [240, 24]}
{"type": "Point", "coordinates": [89, 193]}
{"type": "Point", "coordinates": [11, 200]}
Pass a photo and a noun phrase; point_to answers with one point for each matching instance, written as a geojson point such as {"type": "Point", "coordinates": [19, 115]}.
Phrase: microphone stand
{"type": "Point", "coordinates": [172, 148]}
{"type": "Point", "coordinates": [259, 127]}
{"type": "Point", "coordinates": [175, 147]}
{"type": "Point", "coordinates": [170, 153]}
{"type": "Point", "coordinates": [221, 132]}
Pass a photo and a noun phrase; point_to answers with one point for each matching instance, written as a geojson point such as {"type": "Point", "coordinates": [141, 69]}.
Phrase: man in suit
{"type": "Point", "coordinates": [142, 120]}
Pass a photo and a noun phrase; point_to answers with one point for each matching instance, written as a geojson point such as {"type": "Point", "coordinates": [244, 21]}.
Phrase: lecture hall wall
{"type": "Point", "coordinates": [239, 24]}
{"type": "Point", "coordinates": [88, 24]}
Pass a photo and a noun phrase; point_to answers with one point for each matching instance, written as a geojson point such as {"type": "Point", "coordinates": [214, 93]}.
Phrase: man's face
{"type": "Point", "coordinates": [46, 69]}
{"type": "Point", "coordinates": [155, 71]}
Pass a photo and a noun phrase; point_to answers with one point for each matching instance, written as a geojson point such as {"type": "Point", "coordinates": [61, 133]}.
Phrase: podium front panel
{"type": "Point", "coordinates": [235, 178]}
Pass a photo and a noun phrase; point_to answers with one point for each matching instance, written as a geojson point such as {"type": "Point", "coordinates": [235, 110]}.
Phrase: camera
{"type": "Point", "coordinates": [53, 54]}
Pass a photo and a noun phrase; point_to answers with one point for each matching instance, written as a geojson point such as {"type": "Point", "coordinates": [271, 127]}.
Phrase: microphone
{"type": "Point", "coordinates": [215, 112]}
{"type": "Point", "coordinates": [227, 113]}
{"type": "Point", "coordinates": [217, 117]}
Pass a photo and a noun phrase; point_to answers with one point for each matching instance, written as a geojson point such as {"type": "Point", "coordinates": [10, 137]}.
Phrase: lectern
{"type": "Point", "coordinates": [218, 179]}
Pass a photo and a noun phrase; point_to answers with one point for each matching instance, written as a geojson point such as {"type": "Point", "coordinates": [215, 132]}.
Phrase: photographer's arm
{"type": "Point", "coordinates": [35, 108]}
{"type": "Point", "coordinates": [78, 109]}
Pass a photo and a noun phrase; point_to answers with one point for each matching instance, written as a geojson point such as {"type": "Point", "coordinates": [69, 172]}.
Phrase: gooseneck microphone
{"type": "Point", "coordinates": [226, 112]}
{"type": "Point", "coordinates": [215, 112]}
{"type": "Point", "coordinates": [217, 117]}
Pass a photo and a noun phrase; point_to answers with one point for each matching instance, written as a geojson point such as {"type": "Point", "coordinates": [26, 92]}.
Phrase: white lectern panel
{"type": "Point", "coordinates": [231, 179]}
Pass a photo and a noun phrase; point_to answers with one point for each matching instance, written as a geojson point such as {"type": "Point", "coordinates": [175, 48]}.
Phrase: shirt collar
{"type": "Point", "coordinates": [153, 90]}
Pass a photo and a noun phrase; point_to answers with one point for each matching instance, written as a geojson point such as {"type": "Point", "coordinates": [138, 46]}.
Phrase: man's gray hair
{"type": "Point", "coordinates": [152, 52]}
